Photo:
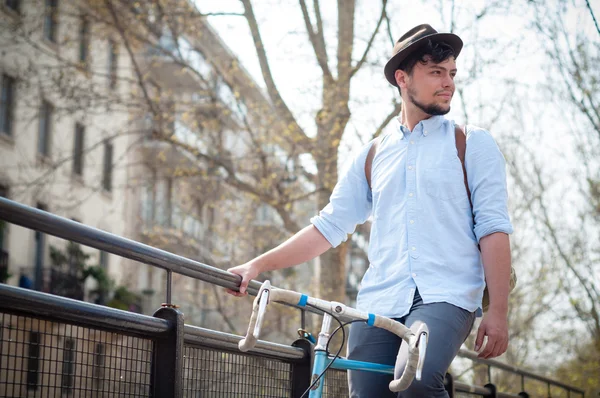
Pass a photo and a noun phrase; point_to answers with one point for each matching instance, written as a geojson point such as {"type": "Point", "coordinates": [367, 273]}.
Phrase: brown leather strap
{"type": "Point", "coordinates": [461, 148]}
{"type": "Point", "coordinates": [369, 161]}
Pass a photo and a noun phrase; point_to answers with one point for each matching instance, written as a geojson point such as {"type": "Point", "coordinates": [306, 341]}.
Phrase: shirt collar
{"type": "Point", "coordinates": [425, 126]}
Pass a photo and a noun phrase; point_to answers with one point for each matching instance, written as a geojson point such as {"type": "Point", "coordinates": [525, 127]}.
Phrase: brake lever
{"type": "Point", "coordinates": [262, 306]}
{"type": "Point", "coordinates": [422, 346]}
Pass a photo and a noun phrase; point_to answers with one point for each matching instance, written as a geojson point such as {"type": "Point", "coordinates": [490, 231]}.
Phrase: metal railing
{"type": "Point", "coordinates": [55, 345]}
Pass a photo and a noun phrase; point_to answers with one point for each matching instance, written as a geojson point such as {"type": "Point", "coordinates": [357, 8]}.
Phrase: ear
{"type": "Point", "coordinates": [401, 78]}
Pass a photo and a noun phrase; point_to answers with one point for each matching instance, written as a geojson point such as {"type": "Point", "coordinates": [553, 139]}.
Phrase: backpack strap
{"type": "Point", "coordinates": [461, 147]}
{"type": "Point", "coordinates": [369, 161]}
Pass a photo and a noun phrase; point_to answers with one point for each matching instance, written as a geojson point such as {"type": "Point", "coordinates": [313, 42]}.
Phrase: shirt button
{"type": "Point", "coordinates": [410, 194]}
{"type": "Point", "coordinates": [410, 167]}
{"type": "Point", "coordinates": [425, 133]}
{"type": "Point", "coordinates": [414, 248]}
{"type": "Point", "coordinates": [412, 142]}
{"type": "Point", "coordinates": [412, 221]}
{"type": "Point", "coordinates": [414, 275]}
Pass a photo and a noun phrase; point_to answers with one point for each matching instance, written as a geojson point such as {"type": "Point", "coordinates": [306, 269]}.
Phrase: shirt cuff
{"type": "Point", "coordinates": [333, 234]}
{"type": "Point", "coordinates": [489, 228]}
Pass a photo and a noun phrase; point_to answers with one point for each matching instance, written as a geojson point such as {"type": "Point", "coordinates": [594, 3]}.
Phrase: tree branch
{"type": "Point", "coordinates": [221, 311]}
{"type": "Point", "coordinates": [388, 119]}
{"type": "Point", "coordinates": [132, 57]}
{"type": "Point", "coordinates": [289, 224]}
{"type": "Point", "coordinates": [304, 196]}
{"type": "Point", "coordinates": [389, 30]}
{"type": "Point", "coordinates": [218, 14]}
{"type": "Point", "coordinates": [345, 40]}
{"type": "Point", "coordinates": [317, 40]}
{"type": "Point", "coordinates": [370, 43]}
{"type": "Point", "coordinates": [282, 109]}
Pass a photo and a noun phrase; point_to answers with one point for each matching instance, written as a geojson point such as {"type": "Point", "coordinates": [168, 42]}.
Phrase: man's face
{"type": "Point", "coordinates": [430, 86]}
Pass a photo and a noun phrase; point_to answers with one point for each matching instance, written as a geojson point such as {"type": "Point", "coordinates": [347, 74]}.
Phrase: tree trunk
{"type": "Point", "coordinates": [331, 122]}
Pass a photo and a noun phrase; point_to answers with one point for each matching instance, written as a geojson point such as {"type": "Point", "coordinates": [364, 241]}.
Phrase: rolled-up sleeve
{"type": "Point", "coordinates": [486, 173]}
{"type": "Point", "coordinates": [349, 205]}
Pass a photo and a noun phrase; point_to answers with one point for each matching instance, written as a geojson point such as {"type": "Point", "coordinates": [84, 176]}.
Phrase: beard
{"type": "Point", "coordinates": [430, 109]}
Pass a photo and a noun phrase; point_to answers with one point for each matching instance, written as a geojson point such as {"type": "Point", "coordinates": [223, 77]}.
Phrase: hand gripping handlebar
{"type": "Point", "coordinates": [416, 337]}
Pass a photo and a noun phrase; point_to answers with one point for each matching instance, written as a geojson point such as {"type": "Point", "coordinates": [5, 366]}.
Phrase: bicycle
{"type": "Point", "coordinates": [416, 339]}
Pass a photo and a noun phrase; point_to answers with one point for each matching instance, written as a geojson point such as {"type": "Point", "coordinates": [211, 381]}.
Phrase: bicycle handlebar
{"type": "Point", "coordinates": [416, 339]}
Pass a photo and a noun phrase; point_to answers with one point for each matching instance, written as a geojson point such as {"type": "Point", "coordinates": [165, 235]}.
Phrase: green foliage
{"type": "Point", "coordinates": [124, 299]}
{"type": "Point", "coordinates": [4, 275]}
{"type": "Point", "coordinates": [74, 261]}
{"type": "Point", "coordinates": [583, 370]}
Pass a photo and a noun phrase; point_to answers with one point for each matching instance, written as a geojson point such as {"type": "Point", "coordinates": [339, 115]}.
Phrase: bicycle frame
{"type": "Point", "coordinates": [323, 359]}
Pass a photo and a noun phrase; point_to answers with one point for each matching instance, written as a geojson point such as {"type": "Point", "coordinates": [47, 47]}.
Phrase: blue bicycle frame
{"type": "Point", "coordinates": [322, 360]}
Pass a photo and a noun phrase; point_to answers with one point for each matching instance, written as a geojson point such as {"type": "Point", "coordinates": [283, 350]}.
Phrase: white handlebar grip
{"type": "Point", "coordinates": [258, 309]}
{"type": "Point", "coordinates": [415, 359]}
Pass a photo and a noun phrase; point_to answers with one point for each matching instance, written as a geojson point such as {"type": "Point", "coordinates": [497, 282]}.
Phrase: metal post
{"type": "Point", "coordinates": [493, 390]}
{"type": "Point", "coordinates": [449, 385]}
{"type": "Point", "coordinates": [169, 284]}
{"type": "Point", "coordinates": [303, 319]}
{"type": "Point", "coordinates": [301, 371]}
{"type": "Point", "coordinates": [167, 360]}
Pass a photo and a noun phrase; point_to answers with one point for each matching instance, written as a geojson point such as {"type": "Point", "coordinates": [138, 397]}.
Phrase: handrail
{"type": "Point", "coordinates": [65, 309]}
{"type": "Point", "coordinates": [43, 221]}
{"type": "Point", "coordinates": [472, 355]}
{"type": "Point", "coordinates": [207, 337]}
{"type": "Point", "coordinates": [61, 227]}
{"type": "Point", "coordinates": [49, 305]}
{"type": "Point", "coordinates": [57, 308]}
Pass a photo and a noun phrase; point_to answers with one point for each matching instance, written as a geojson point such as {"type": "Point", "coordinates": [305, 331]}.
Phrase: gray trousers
{"type": "Point", "coordinates": [449, 326]}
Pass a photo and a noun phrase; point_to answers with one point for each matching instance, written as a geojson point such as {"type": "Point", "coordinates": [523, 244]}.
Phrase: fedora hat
{"type": "Point", "coordinates": [411, 41]}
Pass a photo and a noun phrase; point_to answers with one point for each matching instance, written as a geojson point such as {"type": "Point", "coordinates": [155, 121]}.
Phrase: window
{"type": "Point", "coordinates": [7, 103]}
{"type": "Point", "coordinates": [98, 372]}
{"type": "Point", "coordinates": [68, 368]}
{"type": "Point", "coordinates": [51, 20]}
{"type": "Point", "coordinates": [103, 259]}
{"type": "Point", "coordinates": [84, 40]}
{"type": "Point", "coordinates": [33, 361]}
{"type": "Point", "coordinates": [78, 149]}
{"type": "Point", "coordinates": [162, 201]}
{"type": "Point", "coordinates": [45, 128]}
{"type": "Point", "coordinates": [107, 166]}
{"type": "Point", "coordinates": [40, 253]}
{"type": "Point", "coordinates": [112, 64]}
{"type": "Point", "coordinates": [13, 5]}
{"type": "Point", "coordinates": [3, 226]}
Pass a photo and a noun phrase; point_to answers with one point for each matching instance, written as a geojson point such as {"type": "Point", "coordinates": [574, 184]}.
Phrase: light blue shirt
{"type": "Point", "coordinates": [422, 233]}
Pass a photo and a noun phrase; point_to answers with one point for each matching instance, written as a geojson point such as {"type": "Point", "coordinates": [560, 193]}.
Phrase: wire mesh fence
{"type": "Point", "coordinates": [212, 373]}
{"type": "Point", "coordinates": [336, 384]}
{"type": "Point", "coordinates": [41, 358]}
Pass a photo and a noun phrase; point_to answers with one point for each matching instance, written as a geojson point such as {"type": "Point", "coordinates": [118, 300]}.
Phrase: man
{"type": "Point", "coordinates": [430, 250]}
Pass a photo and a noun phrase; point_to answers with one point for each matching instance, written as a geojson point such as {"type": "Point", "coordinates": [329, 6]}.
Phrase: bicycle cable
{"type": "Point", "coordinates": [338, 328]}
{"type": "Point", "coordinates": [337, 354]}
